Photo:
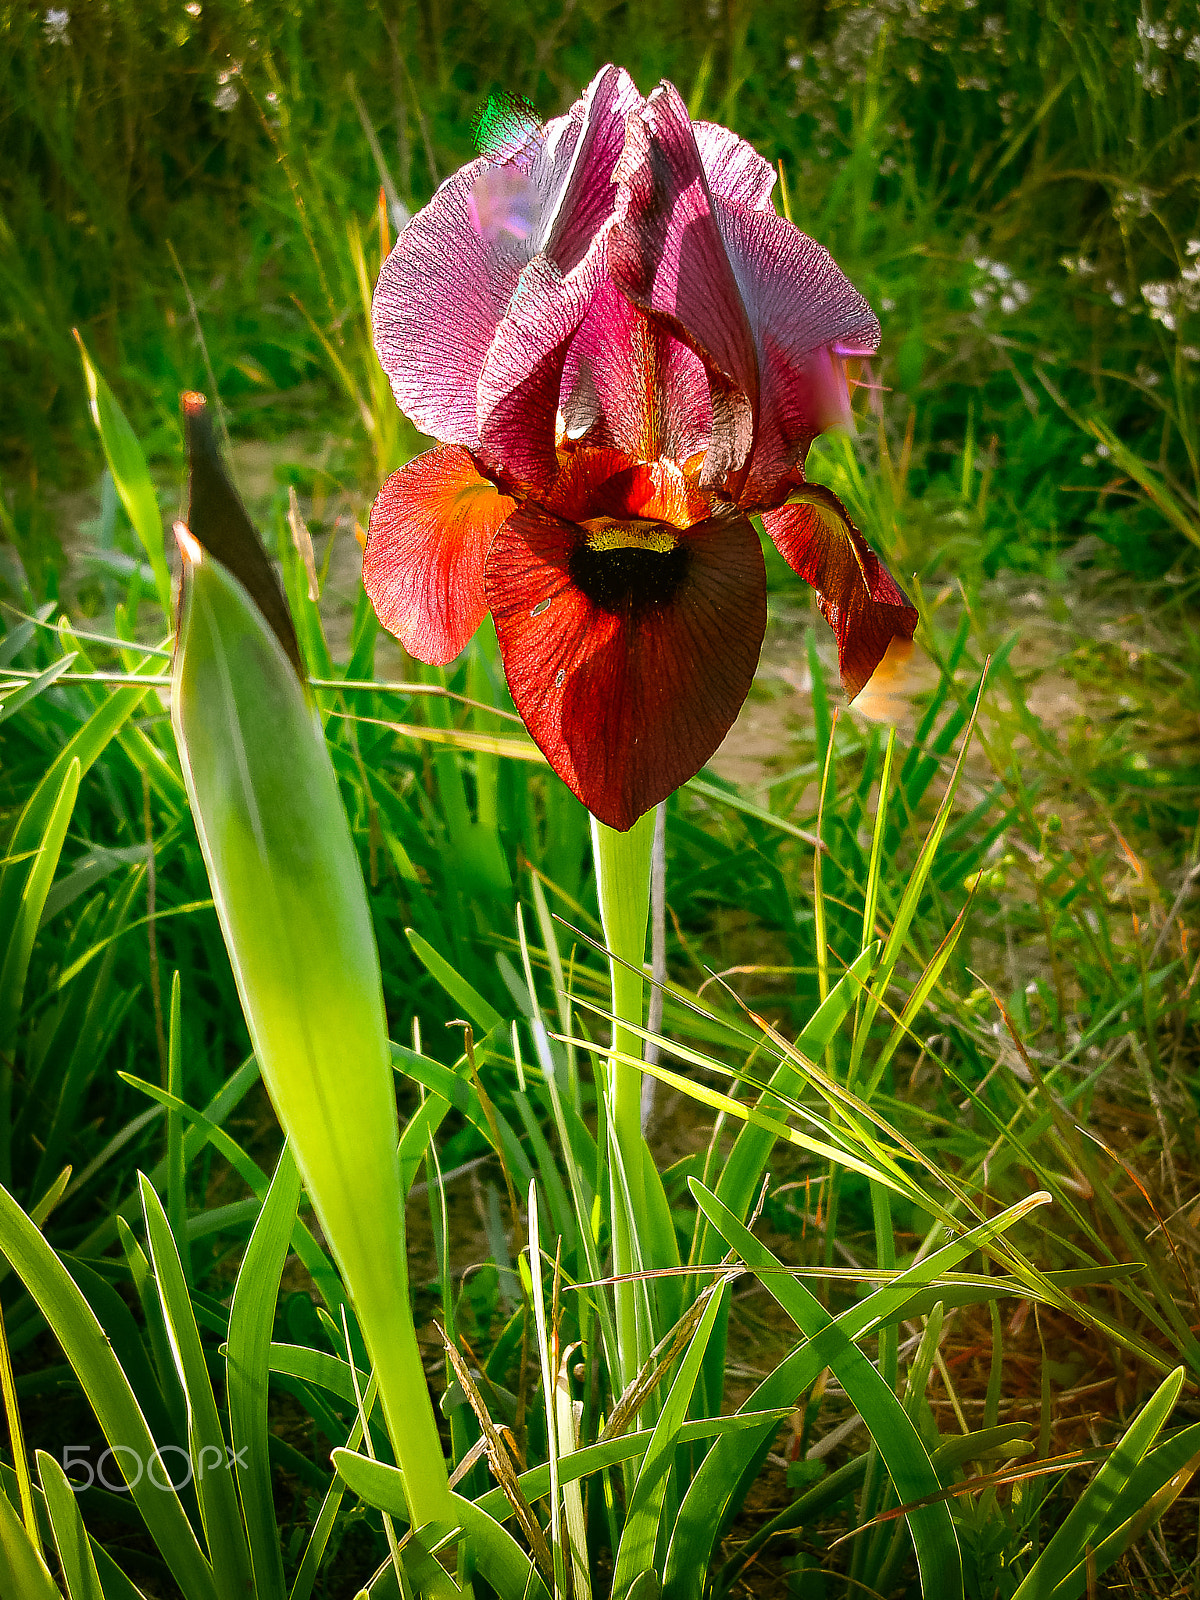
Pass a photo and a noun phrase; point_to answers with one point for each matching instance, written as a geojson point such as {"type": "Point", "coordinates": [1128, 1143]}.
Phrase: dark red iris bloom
{"type": "Point", "coordinates": [625, 353]}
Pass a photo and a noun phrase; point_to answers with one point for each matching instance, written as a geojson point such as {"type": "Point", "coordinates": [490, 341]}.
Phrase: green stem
{"type": "Point", "coordinates": [623, 882]}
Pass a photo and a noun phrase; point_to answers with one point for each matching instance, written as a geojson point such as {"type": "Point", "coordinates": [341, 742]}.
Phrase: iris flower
{"type": "Point", "coordinates": [624, 353]}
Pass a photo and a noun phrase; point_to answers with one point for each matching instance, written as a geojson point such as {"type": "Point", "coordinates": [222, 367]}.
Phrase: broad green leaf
{"type": "Point", "coordinates": [87, 1349]}
{"type": "Point", "coordinates": [247, 1358]}
{"type": "Point", "coordinates": [214, 1482]}
{"type": "Point", "coordinates": [70, 1537]}
{"type": "Point", "coordinates": [130, 474]}
{"type": "Point", "coordinates": [289, 894]}
{"type": "Point", "coordinates": [319, 1367]}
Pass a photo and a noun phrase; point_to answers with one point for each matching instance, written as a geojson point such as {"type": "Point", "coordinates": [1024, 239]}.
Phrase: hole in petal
{"type": "Point", "coordinates": [560, 678]}
{"type": "Point", "coordinates": [542, 605]}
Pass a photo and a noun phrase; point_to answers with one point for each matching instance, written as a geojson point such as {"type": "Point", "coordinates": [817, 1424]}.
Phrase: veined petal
{"type": "Point", "coordinates": [438, 302]}
{"type": "Point", "coordinates": [627, 666]}
{"type": "Point", "coordinates": [597, 483]}
{"type": "Point", "coordinates": [629, 384]}
{"type": "Point", "coordinates": [861, 602]}
{"type": "Point", "coordinates": [666, 253]}
{"type": "Point", "coordinates": [447, 283]}
{"type": "Point", "coordinates": [521, 379]}
{"type": "Point", "coordinates": [801, 307]}
{"type": "Point", "coordinates": [734, 169]}
{"type": "Point", "coordinates": [576, 174]}
{"type": "Point", "coordinates": [431, 526]}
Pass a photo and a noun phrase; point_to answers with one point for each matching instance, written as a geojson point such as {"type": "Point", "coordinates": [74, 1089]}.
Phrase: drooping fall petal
{"type": "Point", "coordinates": [667, 254]}
{"type": "Point", "coordinates": [629, 384]}
{"type": "Point", "coordinates": [801, 306]}
{"type": "Point", "coordinates": [858, 596]}
{"type": "Point", "coordinates": [628, 666]}
{"type": "Point", "coordinates": [429, 535]}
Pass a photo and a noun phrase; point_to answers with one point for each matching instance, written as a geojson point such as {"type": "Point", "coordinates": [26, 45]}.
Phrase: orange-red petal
{"type": "Point", "coordinates": [628, 691]}
{"type": "Point", "coordinates": [430, 529]}
{"type": "Point", "coordinates": [861, 601]}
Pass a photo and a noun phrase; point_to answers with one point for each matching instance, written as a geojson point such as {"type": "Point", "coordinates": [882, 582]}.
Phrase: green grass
{"type": "Point", "coordinates": [1030, 465]}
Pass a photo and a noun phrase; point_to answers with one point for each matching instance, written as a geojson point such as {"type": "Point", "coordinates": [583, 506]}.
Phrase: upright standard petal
{"type": "Point", "coordinates": [666, 253]}
{"type": "Point", "coordinates": [801, 307]}
{"type": "Point", "coordinates": [521, 380]}
{"type": "Point", "coordinates": [627, 661]}
{"type": "Point", "coordinates": [576, 175]}
{"type": "Point", "coordinates": [631, 385]}
{"type": "Point", "coordinates": [429, 535]}
{"type": "Point", "coordinates": [439, 300]}
{"type": "Point", "coordinates": [861, 602]}
{"type": "Point", "coordinates": [734, 169]}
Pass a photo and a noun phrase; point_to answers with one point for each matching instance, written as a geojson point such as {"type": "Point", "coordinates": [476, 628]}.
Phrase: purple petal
{"type": "Point", "coordinates": [801, 308]}
{"type": "Point", "coordinates": [447, 283]}
{"type": "Point", "coordinates": [734, 169]}
{"type": "Point", "coordinates": [439, 300]}
{"type": "Point", "coordinates": [521, 380]}
{"type": "Point", "coordinates": [667, 254]}
{"type": "Point", "coordinates": [630, 386]}
{"type": "Point", "coordinates": [576, 174]}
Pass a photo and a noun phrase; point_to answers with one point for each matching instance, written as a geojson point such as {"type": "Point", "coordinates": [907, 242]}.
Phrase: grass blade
{"type": "Point", "coordinates": [87, 1348]}
{"type": "Point", "coordinates": [247, 1362]}
{"type": "Point", "coordinates": [70, 1538]}
{"type": "Point", "coordinates": [215, 1491]}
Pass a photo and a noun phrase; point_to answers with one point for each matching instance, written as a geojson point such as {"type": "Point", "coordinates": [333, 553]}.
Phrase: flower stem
{"type": "Point", "coordinates": [623, 881]}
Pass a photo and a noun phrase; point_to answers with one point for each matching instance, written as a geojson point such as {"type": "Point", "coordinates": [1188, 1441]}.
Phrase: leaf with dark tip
{"type": "Point", "coordinates": [219, 522]}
